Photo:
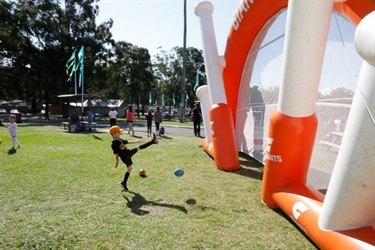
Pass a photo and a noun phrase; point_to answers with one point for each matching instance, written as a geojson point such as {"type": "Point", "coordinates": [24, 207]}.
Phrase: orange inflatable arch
{"type": "Point", "coordinates": [247, 26]}
{"type": "Point", "coordinates": [284, 181]}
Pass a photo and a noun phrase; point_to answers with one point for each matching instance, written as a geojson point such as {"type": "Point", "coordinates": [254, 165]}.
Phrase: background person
{"type": "Point", "coordinates": [157, 119]}
{"type": "Point", "coordinates": [74, 122]}
{"type": "Point", "coordinates": [196, 116]}
{"type": "Point", "coordinates": [112, 117]}
{"type": "Point", "coordinates": [130, 119]}
{"type": "Point", "coordinates": [13, 131]}
{"type": "Point", "coordinates": [149, 117]}
{"type": "Point", "coordinates": [90, 117]}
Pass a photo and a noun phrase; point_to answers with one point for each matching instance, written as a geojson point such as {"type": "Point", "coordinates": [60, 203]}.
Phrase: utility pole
{"type": "Point", "coordinates": [183, 78]}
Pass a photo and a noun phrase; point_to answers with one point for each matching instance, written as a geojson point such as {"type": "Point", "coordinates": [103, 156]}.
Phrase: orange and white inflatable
{"type": "Point", "coordinates": [345, 217]}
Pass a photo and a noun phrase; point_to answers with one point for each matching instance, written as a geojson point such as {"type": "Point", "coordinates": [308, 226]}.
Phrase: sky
{"type": "Point", "coordinates": [154, 23]}
{"type": "Point", "coordinates": [341, 64]}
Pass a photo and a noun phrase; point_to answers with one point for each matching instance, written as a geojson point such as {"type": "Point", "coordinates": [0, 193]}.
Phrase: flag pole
{"type": "Point", "coordinates": [81, 75]}
{"type": "Point", "coordinates": [82, 90]}
{"type": "Point", "coordinates": [75, 82]}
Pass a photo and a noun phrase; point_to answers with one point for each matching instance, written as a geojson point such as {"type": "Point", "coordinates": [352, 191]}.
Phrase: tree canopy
{"type": "Point", "coordinates": [38, 37]}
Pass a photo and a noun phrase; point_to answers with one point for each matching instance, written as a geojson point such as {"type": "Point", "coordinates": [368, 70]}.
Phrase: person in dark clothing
{"type": "Point", "coordinates": [149, 118]}
{"type": "Point", "coordinates": [74, 122]}
{"type": "Point", "coordinates": [157, 119]}
{"type": "Point", "coordinates": [121, 151]}
{"type": "Point", "coordinates": [196, 116]}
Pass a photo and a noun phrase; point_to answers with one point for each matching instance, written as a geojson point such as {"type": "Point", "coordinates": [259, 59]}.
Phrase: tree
{"type": "Point", "coordinates": [12, 41]}
{"type": "Point", "coordinates": [129, 74]}
{"type": "Point", "coordinates": [168, 68]}
{"type": "Point", "coordinates": [44, 36]}
{"type": "Point", "coordinates": [38, 37]}
{"type": "Point", "coordinates": [139, 74]}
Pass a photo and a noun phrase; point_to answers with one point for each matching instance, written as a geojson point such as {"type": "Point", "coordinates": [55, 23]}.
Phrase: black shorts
{"type": "Point", "coordinates": [112, 121]}
{"type": "Point", "coordinates": [127, 158]}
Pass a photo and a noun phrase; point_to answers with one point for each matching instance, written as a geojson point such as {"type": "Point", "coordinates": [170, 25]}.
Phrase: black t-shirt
{"type": "Point", "coordinates": [197, 115]}
{"type": "Point", "coordinates": [118, 147]}
{"type": "Point", "coordinates": [125, 154]}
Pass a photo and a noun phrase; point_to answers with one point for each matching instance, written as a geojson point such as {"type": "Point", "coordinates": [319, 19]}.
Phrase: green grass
{"type": "Point", "coordinates": [60, 192]}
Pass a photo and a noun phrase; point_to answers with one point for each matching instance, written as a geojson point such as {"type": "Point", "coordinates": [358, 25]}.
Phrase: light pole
{"type": "Point", "coordinates": [182, 103]}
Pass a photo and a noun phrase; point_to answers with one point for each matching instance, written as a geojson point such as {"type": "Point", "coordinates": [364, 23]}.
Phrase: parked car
{"type": "Point", "coordinates": [166, 116]}
{"type": "Point", "coordinates": [3, 111]}
{"type": "Point", "coordinates": [14, 111]}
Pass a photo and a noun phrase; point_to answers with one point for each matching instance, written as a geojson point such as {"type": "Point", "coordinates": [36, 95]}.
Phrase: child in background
{"type": "Point", "coordinates": [121, 151]}
{"type": "Point", "coordinates": [149, 117]}
{"type": "Point", "coordinates": [13, 131]}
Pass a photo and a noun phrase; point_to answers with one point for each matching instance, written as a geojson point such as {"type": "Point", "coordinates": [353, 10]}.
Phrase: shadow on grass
{"type": "Point", "coordinates": [137, 136]}
{"type": "Point", "coordinates": [12, 151]}
{"type": "Point", "coordinates": [86, 132]}
{"type": "Point", "coordinates": [96, 137]}
{"type": "Point", "coordinates": [165, 137]}
{"type": "Point", "coordinates": [55, 124]}
{"type": "Point", "coordinates": [191, 202]}
{"type": "Point", "coordinates": [250, 172]}
{"type": "Point", "coordinates": [249, 167]}
{"type": "Point", "coordinates": [138, 201]}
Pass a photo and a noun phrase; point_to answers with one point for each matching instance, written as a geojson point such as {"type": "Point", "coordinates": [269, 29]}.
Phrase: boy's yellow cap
{"type": "Point", "coordinates": [115, 129]}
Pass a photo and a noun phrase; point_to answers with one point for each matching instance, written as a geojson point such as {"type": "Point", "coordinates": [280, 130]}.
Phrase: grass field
{"type": "Point", "coordinates": [60, 192]}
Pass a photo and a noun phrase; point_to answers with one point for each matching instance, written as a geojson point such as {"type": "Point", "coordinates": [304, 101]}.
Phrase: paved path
{"type": "Point", "coordinates": [178, 128]}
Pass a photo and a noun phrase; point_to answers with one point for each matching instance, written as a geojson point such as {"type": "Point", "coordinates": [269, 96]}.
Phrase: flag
{"type": "Point", "coordinates": [149, 99]}
{"type": "Point", "coordinates": [80, 64]}
{"type": "Point", "coordinates": [196, 80]}
{"type": "Point", "coordinates": [162, 100]}
{"type": "Point", "coordinates": [71, 61]}
{"type": "Point", "coordinates": [186, 96]}
{"type": "Point", "coordinates": [174, 101]}
{"type": "Point", "coordinates": [71, 64]}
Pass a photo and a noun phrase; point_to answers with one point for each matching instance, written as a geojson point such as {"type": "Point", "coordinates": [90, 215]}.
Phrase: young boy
{"type": "Point", "coordinates": [120, 150]}
{"type": "Point", "coordinates": [13, 131]}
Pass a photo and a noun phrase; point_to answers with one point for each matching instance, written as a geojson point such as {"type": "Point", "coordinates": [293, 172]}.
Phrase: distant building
{"type": "Point", "coordinates": [21, 105]}
{"type": "Point", "coordinates": [102, 106]}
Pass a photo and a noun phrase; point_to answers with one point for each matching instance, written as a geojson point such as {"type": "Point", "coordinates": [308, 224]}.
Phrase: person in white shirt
{"type": "Point", "coordinates": [113, 117]}
{"type": "Point", "coordinates": [13, 131]}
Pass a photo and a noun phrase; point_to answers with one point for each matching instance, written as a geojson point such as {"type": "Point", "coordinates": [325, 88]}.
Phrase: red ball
{"type": "Point", "coordinates": [142, 172]}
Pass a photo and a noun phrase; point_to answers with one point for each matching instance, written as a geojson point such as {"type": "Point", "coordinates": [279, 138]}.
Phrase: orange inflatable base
{"type": "Point", "coordinates": [223, 148]}
{"type": "Point", "coordinates": [209, 148]}
{"type": "Point", "coordinates": [303, 205]}
{"type": "Point", "coordinates": [288, 153]}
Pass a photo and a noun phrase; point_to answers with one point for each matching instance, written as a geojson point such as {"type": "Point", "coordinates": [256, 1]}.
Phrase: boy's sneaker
{"type": "Point", "coordinates": [155, 138]}
{"type": "Point", "coordinates": [122, 186]}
